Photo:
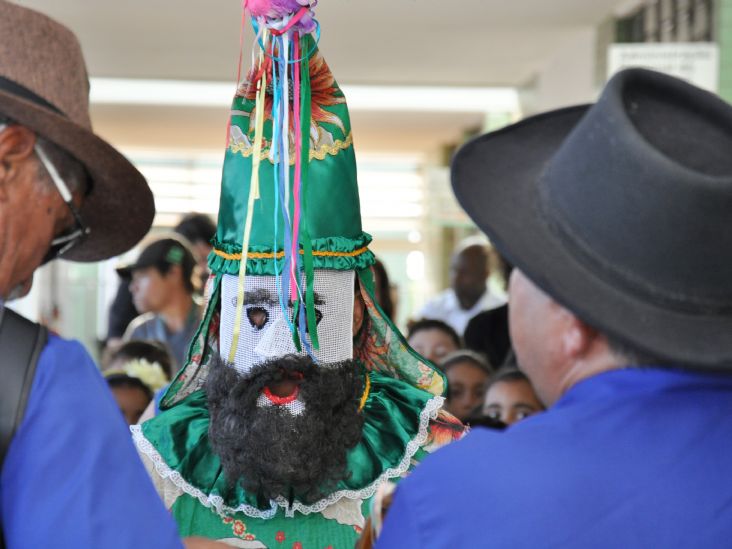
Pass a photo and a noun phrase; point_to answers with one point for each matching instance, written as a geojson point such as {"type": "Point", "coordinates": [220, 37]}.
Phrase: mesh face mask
{"type": "Point", "coordinates": [265, 332]}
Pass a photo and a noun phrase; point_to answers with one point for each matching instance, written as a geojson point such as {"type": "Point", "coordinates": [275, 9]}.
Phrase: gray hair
{"type": "Point", "coordinates": [69, 168]}
{"type": "Point", "coordinates": [631, 355]}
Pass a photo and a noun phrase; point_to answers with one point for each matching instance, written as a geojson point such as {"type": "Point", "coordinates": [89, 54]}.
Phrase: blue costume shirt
{"type": "Point", "coordinates": [72, 478]}
{"type": "Point", "coordinates": [629, 458]}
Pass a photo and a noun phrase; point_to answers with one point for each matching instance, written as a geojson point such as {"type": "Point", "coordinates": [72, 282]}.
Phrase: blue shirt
{"type": "Point", "coordinates": [629, 458]}
{"type": "Point", "coordinates": [72, 478]}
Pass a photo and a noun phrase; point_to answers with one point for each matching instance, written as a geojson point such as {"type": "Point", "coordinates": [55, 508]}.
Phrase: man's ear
{"type": "Point", "coordinates": [576, 336]}
{"type": "Point", "coordinates": [16, 147]}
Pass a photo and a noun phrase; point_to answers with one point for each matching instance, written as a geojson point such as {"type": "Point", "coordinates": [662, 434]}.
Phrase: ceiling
{"type": "Point", "coordinates": [386, 42]}
{"type": "Point", "coordinates": [484, 42]}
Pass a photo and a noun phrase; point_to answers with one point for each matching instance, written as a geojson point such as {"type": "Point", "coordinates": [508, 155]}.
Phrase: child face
{"type": "Point", "coordinates": [511, 401]}
{"type": "Point", "coordinates": [467, 384]}
{"type": "Point", "coordinates": [131, 401]}
{"type": "Point", "coordinates": [149, 289]}
{"type": "Point", "coordinates": [433, 344]}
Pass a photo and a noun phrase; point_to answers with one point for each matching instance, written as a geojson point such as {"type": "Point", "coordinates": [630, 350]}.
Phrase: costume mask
{"type": "Point", "coordinates": [265, 328]}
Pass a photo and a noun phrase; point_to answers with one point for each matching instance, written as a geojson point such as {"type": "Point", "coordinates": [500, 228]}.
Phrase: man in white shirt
{"type": "Point", "coordinates": [468, 293]}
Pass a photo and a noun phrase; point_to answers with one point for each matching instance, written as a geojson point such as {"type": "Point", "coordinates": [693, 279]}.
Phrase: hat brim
{"type": "Point", "coordinates": [125, 271]}
{"type": "Point", "coordinates": [120, 208]}
{"type": "Point", "coordinates": [496, 179]}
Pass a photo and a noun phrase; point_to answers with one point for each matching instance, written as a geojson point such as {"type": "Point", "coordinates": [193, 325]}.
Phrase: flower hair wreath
{"type": "Point", "coordinates": [149, 373]}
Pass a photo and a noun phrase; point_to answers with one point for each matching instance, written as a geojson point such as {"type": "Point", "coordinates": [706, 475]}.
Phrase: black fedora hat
{"type": "Point", "coordinates": [621, 211]}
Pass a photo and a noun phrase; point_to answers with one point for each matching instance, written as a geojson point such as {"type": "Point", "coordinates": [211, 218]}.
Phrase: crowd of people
{"type": "Point", "coordinates": [155, 313]}
{"type": "Point", "coordinates": [463, 330]}
{"type": "Point", "coordinates": [255, 391]}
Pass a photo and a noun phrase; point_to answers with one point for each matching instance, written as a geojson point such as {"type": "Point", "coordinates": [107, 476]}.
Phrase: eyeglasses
{"type": "Point", "coordinates": [64, 242]}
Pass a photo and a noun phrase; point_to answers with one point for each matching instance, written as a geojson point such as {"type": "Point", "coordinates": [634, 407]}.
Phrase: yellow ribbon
{"type": "Point", "coordinates": [253, 195]}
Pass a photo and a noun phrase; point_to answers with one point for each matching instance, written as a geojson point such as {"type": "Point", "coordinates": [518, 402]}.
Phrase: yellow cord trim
{"type": "Point", "coordinates": [366, 392]}
{"type": "Point", "coordinates": [319, 154]}
{"type": "Point", "coordinates": [280, 255]}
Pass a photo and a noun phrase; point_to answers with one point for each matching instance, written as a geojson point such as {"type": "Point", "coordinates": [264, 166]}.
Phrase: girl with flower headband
{"type": "Point", "coordinates": [137, 370]}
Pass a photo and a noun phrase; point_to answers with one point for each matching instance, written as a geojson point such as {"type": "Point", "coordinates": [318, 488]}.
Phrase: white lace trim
{"type": "Point", "coordinates": [428, 413]}
{"type": "Point", "coordinates": [207, 500]}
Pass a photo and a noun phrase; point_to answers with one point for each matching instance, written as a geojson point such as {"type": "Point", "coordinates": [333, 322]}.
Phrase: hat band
{"type": "Point", "coordinates": [616, 276]}
{"type": "Point", "coordinates": [21, 91]}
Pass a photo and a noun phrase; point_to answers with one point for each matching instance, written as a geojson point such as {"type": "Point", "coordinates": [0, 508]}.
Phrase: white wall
{"type": "Point", "coordinates": [569, 77]}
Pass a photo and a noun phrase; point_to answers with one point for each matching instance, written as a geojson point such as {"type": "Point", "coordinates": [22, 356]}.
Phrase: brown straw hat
{"type": "Point", "coordinates": [44, 87]}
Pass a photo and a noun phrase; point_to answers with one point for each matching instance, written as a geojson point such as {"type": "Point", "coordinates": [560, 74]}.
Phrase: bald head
{"type": "Point", "coordinates": [469, 273]}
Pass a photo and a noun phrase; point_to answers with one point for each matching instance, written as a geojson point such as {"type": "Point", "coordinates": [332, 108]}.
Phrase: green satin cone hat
{"type": "Point", "coordinates": [290, 209]}
{"type": "Point", "coordinates": [330, 226]}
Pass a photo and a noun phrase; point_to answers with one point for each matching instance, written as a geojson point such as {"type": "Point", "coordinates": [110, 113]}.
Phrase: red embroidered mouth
{"type": "Point", "coordinates": [280, 400]}
{"type": "Point", "coordinates": [284, 391]}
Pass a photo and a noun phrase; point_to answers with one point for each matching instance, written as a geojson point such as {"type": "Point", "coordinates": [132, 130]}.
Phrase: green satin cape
{"type": "Point", "coordinates": [396, 420]}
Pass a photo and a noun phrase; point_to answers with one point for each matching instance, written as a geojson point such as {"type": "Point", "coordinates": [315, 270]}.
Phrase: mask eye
{"type": "Point", "coordinates": [258, 317]}
{"type": "Point", "coordinates": [318, 317]}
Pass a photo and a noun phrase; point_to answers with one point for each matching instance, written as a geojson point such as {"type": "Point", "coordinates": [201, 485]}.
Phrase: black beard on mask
{"type": "Point", "coordinates": [272, 452]}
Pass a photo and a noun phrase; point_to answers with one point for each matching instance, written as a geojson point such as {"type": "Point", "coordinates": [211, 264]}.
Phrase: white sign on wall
{"type": "Point", "coordinates": [696, 62]}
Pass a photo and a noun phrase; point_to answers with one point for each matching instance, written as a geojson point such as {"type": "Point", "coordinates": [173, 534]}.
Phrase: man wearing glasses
{"type": "Point", "coordinates": [70, 476]}
{"type": "Point", "coordinates": [42, 203]}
